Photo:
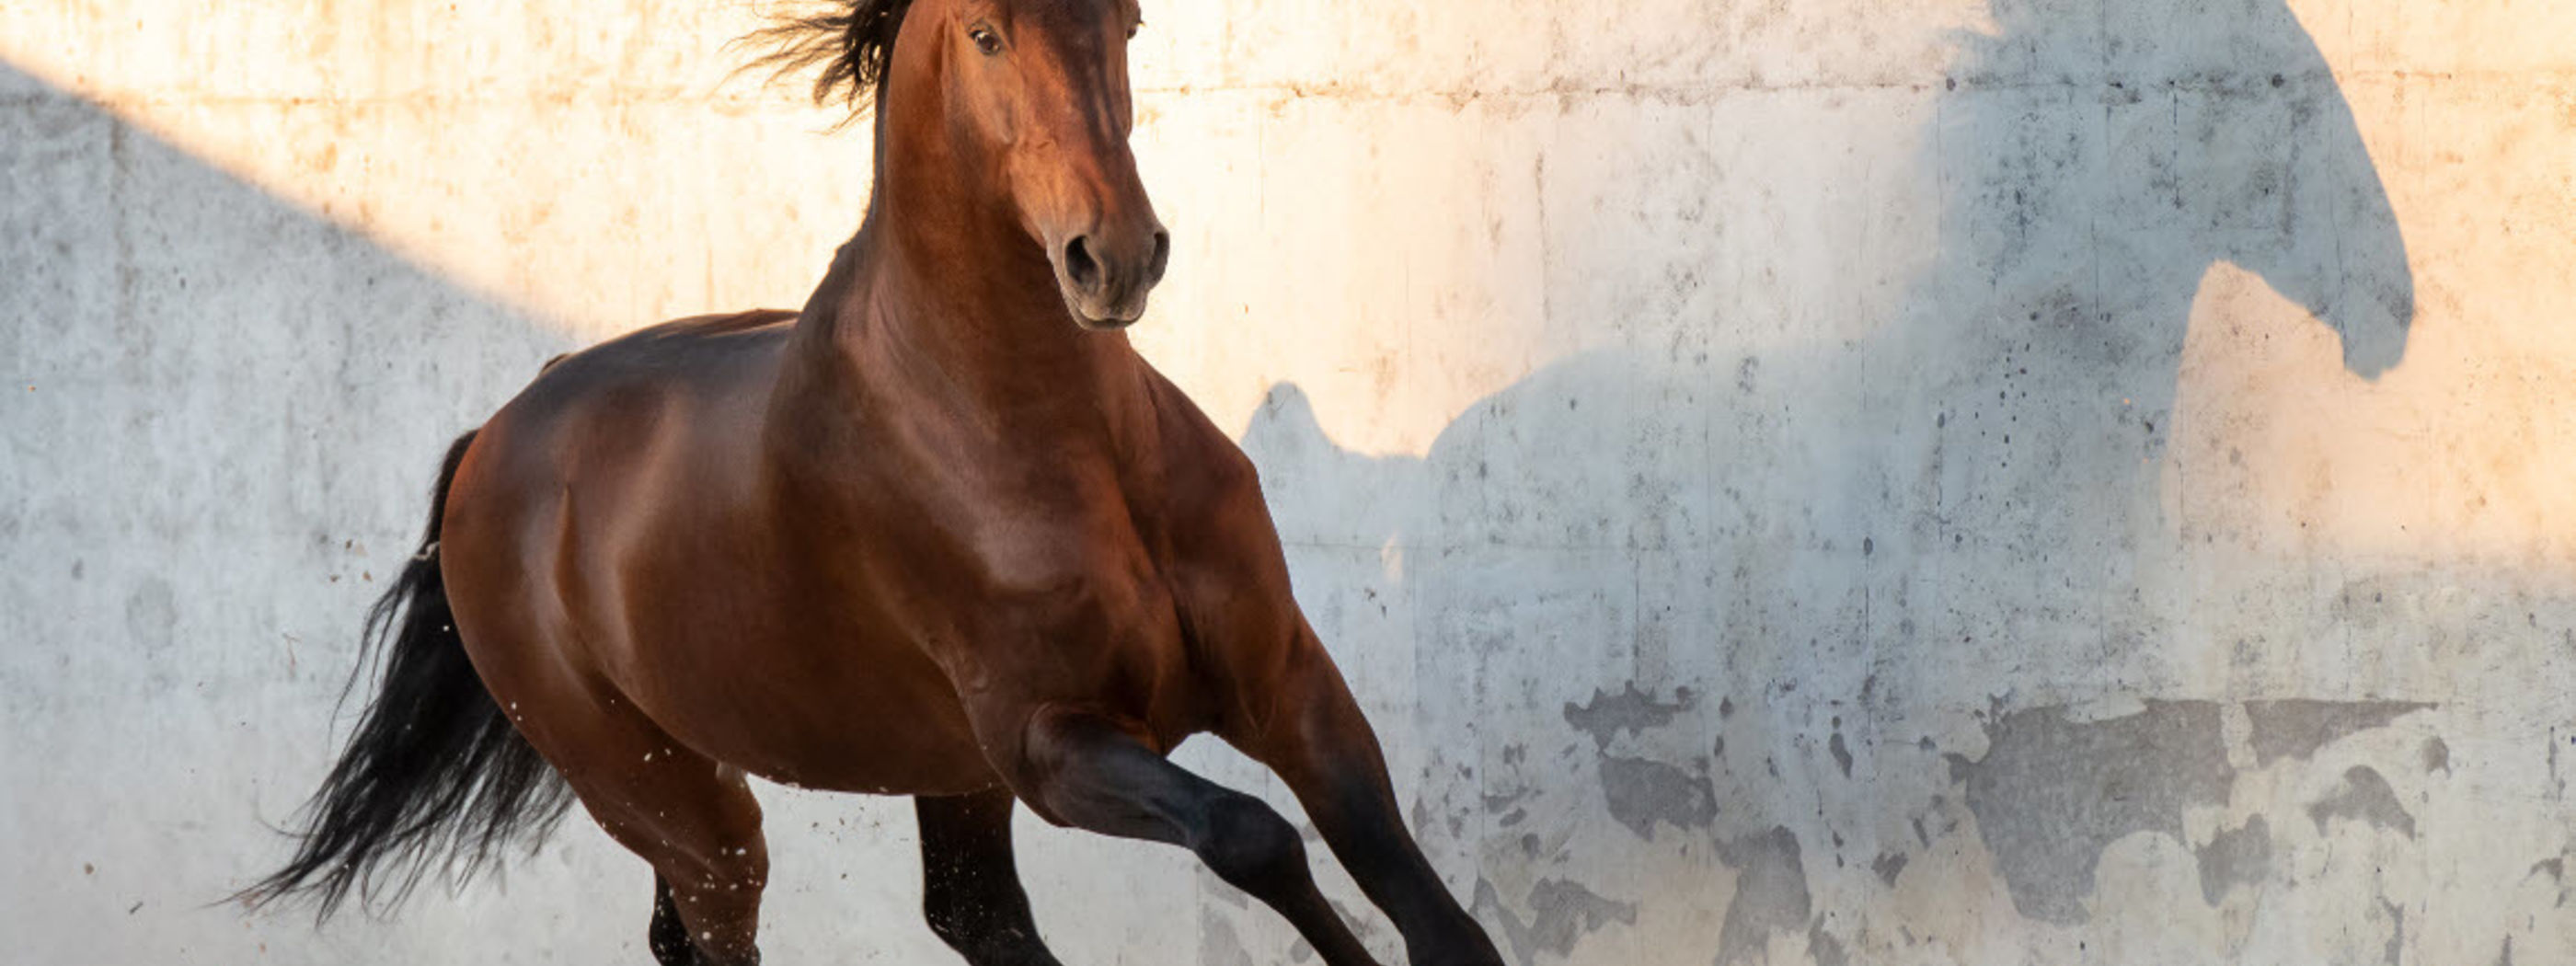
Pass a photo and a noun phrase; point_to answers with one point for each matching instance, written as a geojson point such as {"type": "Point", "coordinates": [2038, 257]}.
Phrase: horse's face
{"type": "Point", "coordinates": [1037, 102]}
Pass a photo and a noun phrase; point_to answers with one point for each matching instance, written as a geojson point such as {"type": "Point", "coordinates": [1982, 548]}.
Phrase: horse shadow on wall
{"type": "Point", "coordinates": [1809, 609]}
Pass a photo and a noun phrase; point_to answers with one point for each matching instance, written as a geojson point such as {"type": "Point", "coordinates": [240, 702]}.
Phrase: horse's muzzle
{"type": "Point", "coordinates": [1106, 275]}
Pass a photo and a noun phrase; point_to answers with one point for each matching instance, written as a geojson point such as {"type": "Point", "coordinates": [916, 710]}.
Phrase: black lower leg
{"type": "Point", "coordinates": [1095, 776]}
{"type": "Point", "coordinates": [1328, 756]}
{"type": "Point", "coordinates": [971, 890]}
{"type": "Point", "coordinates": [1366, 834]}
{"type": "Point", "coordinates": [668, 936]}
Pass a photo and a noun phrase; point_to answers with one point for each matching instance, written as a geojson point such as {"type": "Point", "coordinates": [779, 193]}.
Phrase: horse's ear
{"type": "Point", "coordinates": [848, 44]}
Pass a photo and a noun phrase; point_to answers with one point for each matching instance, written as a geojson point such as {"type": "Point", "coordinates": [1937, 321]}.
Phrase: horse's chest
{"type": "Point", "coordinates": [1066, 584]}
{"type": "Point", "coordinates": [1062, 611]}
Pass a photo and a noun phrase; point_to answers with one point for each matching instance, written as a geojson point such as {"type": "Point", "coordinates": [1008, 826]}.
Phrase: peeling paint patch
{"type": "Point", "coordinates": [2397, 936]}
{"type": "Point", "coordinates": [1219, 945]}
{"type": "Point", "coordinates": [1631, 710]}
{"type": "Point", "coordinates": [1562, 912]}
{"type": "Point", "coordinates": [2556, 868]}
{"type": "Point", "coordinates": [1889, 865]}
{"type": "Point", "coordinates": [1641, 792]}
{"type": "Point", "coordinates": [1770, 893]}
{"type": "Point", "coordinates": [2052, 793]}
{"type": "Point", "coordinates": [2235, 857]}
{"type": "Point", "coordinates": [1826, 950]}
{"type": "Point", "coordinates": [2364, 797]}
{"type": "Point", "coordinates": [2297, 727]}
{"type": "Point", "coordinates": [2437, 756]}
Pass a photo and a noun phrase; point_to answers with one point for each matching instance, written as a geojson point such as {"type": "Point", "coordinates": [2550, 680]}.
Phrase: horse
{"type": "Point", "coordinates": [942, 533]}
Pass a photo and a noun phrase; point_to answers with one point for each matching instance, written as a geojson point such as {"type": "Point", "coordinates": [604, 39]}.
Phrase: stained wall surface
{"type": "Point", "coordinates": [1963, 481]}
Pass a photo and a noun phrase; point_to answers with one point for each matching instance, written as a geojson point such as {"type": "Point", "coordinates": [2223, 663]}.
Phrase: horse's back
{"type": "Point", "coordinates": [711, 355]}
{"type": "Point", "coordinates": [611, 403]}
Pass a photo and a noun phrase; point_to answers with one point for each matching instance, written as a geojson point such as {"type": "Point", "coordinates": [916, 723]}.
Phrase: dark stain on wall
{"type": "Point", "coordinates": [1827, 950]}
{"type": "Point", "coordinates": [1631, 710]}
{"type": "Point", "coordinates": [1770, 893]}
{"type": "Point", "coordinates": [2235, 857]}
{"type": "Point", "coordinates": [2052, 793]}
{"type": "Point", "coordinates": [1562, 912]}
{"type": "Point", "coordinates": [2363, 797]}
{"type": "Point", "coordinates": [1889, 865]}
{"type": "Point", "coordinates": [2396, 947]}
{"type": "Point", "coordinates": [1641, 792]}
{"type": "Point", "coordinates": [2296, 728]}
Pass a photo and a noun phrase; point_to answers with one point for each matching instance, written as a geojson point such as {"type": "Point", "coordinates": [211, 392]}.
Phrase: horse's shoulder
{"type": "Point", "coordinates": [1212, 508]}
{"type": "Point", "coordinates": [1200, 461]}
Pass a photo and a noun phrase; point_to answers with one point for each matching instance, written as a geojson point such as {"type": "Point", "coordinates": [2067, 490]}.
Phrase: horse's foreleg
{"type": "Point", "coordinates": [1085, 771]}
{"type": "Point", "coordinates": [1323, 748]}
{"type": "Point", "coordinates": [971, 884]}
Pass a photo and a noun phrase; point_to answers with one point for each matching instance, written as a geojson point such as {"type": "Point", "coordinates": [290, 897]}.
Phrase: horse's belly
{"type": "Point", "coordinates": [879, 719]}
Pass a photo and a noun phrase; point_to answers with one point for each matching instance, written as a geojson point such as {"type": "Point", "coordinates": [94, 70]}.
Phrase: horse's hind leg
{"type": "Point", "coordinates": [668, 937]}
{"type": "Point", "coordinates": [971, 885]}
{"type": "Point", "coordinates": [693, 820]}
{"type": "Point", "coordinates": [1086, 771]}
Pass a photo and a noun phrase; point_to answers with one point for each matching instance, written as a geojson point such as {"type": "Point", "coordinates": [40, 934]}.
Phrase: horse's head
{"type": "Point", "coordinates": [1018, 112]}
{"type": "Point", "coordinates": [1033, 94]}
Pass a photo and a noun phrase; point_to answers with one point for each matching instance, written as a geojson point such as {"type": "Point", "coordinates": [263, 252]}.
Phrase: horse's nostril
{"type": "Point", "coordinates": [1079, 264]}
{"type": "Point", "coordinates": [1162, 255]}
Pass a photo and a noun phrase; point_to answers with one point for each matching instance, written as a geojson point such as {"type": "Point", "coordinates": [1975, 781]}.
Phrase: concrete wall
{"type": "Point", "coordinates": [2049, 481]}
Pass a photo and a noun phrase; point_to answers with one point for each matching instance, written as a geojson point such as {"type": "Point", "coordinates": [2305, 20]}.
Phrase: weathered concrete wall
{"type": "Point", "coordinates": [1958, 482]}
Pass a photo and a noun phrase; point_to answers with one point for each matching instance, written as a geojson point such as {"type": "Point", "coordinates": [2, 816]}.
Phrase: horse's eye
{"type": "Point", "coordinates": [1139, 25]}
{"type": "Point", "coordinates": [986, 40]}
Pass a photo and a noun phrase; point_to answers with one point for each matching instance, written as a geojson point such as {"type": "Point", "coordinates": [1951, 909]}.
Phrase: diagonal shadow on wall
{"type": "Point", "coordinates": [223, 414]}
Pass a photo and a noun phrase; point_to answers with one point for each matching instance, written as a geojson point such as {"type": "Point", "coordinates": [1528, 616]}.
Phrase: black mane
{"type": "Point", "coordinates": [852, 41]}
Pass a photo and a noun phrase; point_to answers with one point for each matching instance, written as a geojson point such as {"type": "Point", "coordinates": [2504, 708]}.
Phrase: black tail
{"type": "Point", "coordinates": [435, 775]}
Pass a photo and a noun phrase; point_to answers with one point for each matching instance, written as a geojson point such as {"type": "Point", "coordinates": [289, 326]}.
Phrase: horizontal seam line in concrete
{"type": "Point", "coordinates": [2536, 78]}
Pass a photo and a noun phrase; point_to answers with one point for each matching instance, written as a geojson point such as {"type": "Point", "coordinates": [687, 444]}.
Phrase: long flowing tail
{"type": "Point", "coordinates": [435, 775]}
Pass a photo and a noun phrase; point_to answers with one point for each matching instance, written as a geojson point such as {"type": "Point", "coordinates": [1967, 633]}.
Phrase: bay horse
{"type": "Point", "coordinates": [942, 533]}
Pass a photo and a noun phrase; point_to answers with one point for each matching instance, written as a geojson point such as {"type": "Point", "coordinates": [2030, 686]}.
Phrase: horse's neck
{"type": "Point", "coordinates": [942, 308]}
{"type": "Point", "coordinates": [921, 326]}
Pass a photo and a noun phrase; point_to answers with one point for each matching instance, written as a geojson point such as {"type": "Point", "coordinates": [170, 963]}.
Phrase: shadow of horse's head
{"type": "Point", "coordinates": [2227, 137]}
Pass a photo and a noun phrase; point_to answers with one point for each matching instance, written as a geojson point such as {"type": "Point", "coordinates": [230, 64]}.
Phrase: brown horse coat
{"type": "Point", "coordinates": [943, 533]}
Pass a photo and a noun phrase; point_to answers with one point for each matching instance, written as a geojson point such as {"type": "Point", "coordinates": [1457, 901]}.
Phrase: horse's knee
{"type": "Point", "coordinates": [1248, 845]}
